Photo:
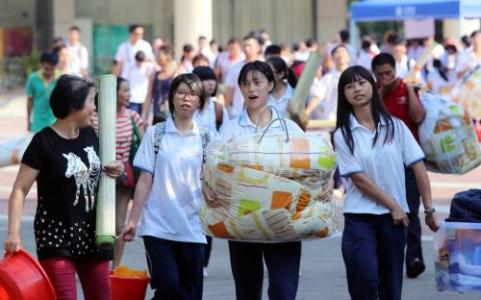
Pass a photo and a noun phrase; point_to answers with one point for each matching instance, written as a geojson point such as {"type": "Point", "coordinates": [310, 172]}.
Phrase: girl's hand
{"type": "Point", "coordinates": [209, 196]}
{"type": "Point", "coordinates": [430, 220]}
{"type": "Point", "coordinates": [399, 217]}
{"type": "Point", "coordinates": [114, 169]}
{"type": "Point", "coordinates": [13, 243]}
{"type": "Point", "coordinates": [128, 234]}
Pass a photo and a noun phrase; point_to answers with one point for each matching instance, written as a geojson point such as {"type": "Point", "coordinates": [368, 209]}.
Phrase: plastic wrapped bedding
{"type": "Point", "coordinates": [270, 190]}
{"type": "Point", "coordinates": [447, 136]}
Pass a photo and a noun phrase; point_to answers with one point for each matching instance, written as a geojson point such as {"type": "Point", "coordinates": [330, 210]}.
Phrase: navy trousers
{"type": "Point", "coordinates": [373, 252]}
{"type": "Point", "coordinates": [282, 261]}
{"type": "Point", "coordinates": [413, 249]}
{"type": "Point", "coordinates": [175, 268]}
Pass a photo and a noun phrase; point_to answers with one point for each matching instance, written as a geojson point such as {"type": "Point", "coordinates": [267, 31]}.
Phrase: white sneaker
{"type": "Point", "coordinates": [205, 273]}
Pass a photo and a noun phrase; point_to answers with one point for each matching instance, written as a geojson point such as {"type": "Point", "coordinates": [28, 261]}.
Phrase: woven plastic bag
{"type": "Point", "coordinates": [269, 188]}
{"type": "Point", "coordinates": [447, 136]}
{"type": "Point", "coordinates": [467, 92]}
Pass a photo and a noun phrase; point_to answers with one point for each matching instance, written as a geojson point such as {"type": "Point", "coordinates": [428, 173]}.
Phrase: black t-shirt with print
{"type": "Point", "coordinates": [67, 193]}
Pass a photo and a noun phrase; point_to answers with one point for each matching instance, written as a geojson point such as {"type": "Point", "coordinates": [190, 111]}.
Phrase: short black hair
{"type": "Point", "coordinates": [344, 35]}
{"type": "Point", "coordinates": [206, 73]}
{"type": "Point", "coordinates": [119, 82]}
{"type": "Point", "coordinates": [49, 58]}
{"type": "Point", "coordinates": [140, 56]}
{"type": "Point", "coordinates": [273, 50]}
{"type": "Point", "coordinates": [382, 59]}
{"type": "Point", "coordinates": [340, 46]}
{"type": "Point", "coordinates": [257, 66]}
{"type": "Point", "coordinates": [194, 84]}
{"type": "Point", "coordinates": [187, 48]}
{"type": "Point", "coordinates": [69, 95]}
{"type": "Point", "coordinates": [133, 27]}
{"type": "Point", "coordinates": [254, 37]}
{"type": "Point", "coordinates": [366, 43]}
{"type": "Point", "coordinates": [465, 40]}
{"type": "Point", "coordinates": [75, 28]}
{"type": "Point", "coordinates": [310, 42]}
{"type": "Point", "coordinates": [167, 49]}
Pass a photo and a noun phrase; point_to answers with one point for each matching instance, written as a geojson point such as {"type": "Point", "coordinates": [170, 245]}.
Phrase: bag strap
{"type": "Point", "coordinates": [205, 137]}
{"type": "Point", "coordinates": [219, 115]}
{"type": "Point", "coordinates": [159, 131]}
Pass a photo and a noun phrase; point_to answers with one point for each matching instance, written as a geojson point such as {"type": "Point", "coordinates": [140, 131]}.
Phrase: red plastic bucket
{"type": "Point", "coordinates": [124, 288]}
{"type": "Point", "coordinates": [22, 278]}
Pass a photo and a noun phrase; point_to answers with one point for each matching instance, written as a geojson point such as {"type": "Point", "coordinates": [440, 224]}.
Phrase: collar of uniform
{"type": "Point", "coordinates": [355, 124]}
{"type": "Point", "coordinates": [245, 120]}
{"type": "Point", "coordinates": [170, 127]}
{"type": "Point", "coordinates": [287, 95]}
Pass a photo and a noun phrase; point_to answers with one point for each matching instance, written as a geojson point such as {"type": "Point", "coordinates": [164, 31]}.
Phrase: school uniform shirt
{"type": "Point", "coordinates": [237, 98]}
{"type": "Point", "coordinates": [207, 117]}
{"type": "Point", "coordinates": [138, 77]}
{"type": "Point", "coordinates": [383, 164]}
{"type": "Point", "coordinates": [79, 58]}
{"type": "Point", "coordinates": [243, 125]}
{"type": "Point", "coordinates": [126, 54]}
{"type": "Point", "coordinates": [171, 210]}
{"type": "Point", "coordinates": [326, 91]}
{"type": "Point", "coordinates": [224, 63]}
{"type": "Point", "coordinates": [67, 185]}
{"type": "Point", "coordinates": [282, 103]}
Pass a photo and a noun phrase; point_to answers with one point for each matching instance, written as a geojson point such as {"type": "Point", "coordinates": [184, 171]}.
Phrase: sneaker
{"type": "Point", "coordinates": [205, 273]}
{"type": "Point", "coordinates": [415, 268]}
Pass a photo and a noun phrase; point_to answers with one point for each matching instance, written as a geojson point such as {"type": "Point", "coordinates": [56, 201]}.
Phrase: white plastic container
{"type": "Point", "coordinates": [458, 257]}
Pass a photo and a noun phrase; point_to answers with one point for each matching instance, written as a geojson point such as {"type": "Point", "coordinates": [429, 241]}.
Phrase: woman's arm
{"type": "Point", "coordinates": [416, 110]}
{"type": "Point", "coordinates": [25, 178]}
{"type": "Point", "coordinates": [142, 190]}
{"type": "Point", "coordinates": [424, 187]}
{"type": "Point", "coordinates": [148, 100]}
{"type": "Point", "coordinates": [371, 190]}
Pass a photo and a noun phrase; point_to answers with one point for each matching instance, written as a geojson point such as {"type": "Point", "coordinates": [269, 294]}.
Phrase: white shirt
{"type": "Point", "coordinates": [326, 91]}
{"type": "Point", "coordinates": [138, 77]}
{"type": "Point", "coordinates": [467, 60]}
{"type": "Point", "coordinates": [237, 98]}
{"type": "Point", "coordinates": [171, 210]}
{"type": "Point", "coordinates": [225, 64]}
{"type": "Point", "coordinates": [126, 54]}
{"type": "Point", "coordinates": [383, 164]}
{"type": "Point", "coordinates": [403, 67]}
{"type": "Point", "coordinates": [364, 59]}
{"type": "Point", "coordinates": [439, 84]}
{"type": "Point", "coordinates": [282, 103]}
{"type": "Point", "coordinates": [243, 125]}
{"type": "Point", "coordinates": [79, 58]}
{"type": "Point", "coordinates": [206, 117]}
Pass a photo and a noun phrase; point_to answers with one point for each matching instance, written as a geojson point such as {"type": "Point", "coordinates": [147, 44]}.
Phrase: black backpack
{"type": "Point", "coordinates": [466, 207]}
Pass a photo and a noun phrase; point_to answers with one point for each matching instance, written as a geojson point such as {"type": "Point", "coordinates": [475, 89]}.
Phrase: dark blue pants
{"type": "Point", "coordinates": [373, 252]}
{"type": "Point", "coordinates": [137, 107]}
{"type": "Point", "coordinates": [413, 249]}
{"type": "Point", "coordinates": [175, 268]}
{"type": "Point", "coordinates": [282, 261]}
{"type": "Point", "coordinates": [208, 250]}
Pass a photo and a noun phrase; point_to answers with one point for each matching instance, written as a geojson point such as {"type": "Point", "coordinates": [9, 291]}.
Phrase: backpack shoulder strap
{"type": "Point", "coordinates": [159, 132]}
{"type": "Point", "coordinates": [205, 138]}
{"type": "Point", "coordinates": [219, 115]}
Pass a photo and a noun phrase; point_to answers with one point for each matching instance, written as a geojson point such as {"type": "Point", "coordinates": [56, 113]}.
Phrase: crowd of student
{"type": "Point", "coordinates": [209, 94]}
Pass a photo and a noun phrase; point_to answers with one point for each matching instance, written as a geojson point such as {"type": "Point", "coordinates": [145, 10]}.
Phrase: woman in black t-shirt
{"type": "Point", "coordinates": [63, 160]}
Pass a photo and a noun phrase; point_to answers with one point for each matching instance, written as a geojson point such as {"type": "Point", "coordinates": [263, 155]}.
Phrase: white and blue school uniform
{"type": "Point", "coordinates": [207, 117]}
{"type": "Point", "coordinates": [372, 246]}
{"type": "Point", "coordinates": [282, 259]}
{"type": "Point", "coordinates": [282, 103]}
{"type": "Point", "coordinates": [170, 224]}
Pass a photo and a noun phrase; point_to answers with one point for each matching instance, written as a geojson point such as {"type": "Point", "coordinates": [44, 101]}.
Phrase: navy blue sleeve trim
{"type": "Point", "coordinates": [350, 173]}
{"type": "Point", "coordinates": [415, 162]}
{"type": "Point", "coordinates": [144, 169]}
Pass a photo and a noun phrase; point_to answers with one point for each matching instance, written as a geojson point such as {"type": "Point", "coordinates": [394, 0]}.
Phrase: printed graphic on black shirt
{"type": "Point", "coordinates": [85, 178]}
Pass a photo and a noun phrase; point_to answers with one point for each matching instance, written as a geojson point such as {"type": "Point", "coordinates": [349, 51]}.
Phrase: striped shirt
{"type": "Point", "coordinates": [123, 131]}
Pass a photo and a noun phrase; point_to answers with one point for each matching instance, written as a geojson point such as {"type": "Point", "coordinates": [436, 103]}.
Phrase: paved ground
{"type": "Point", "coordinates": [323, 275]}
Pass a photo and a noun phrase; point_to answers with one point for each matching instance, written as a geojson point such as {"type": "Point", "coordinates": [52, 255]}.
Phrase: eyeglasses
{"type": "Point", "coordinates": [183, 94]}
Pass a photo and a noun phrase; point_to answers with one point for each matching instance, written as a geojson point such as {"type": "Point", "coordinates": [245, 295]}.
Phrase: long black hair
{"type": "Point", "coordinates": [345, 109]}
{"type": "Point", "coordinates": [280, 65]}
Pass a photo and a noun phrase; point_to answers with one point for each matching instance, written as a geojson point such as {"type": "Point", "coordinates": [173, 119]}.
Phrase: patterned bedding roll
{"type": "Point", "coordinates": [272, 190]}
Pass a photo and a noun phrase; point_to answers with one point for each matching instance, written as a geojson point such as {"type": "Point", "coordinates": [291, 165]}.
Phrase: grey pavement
{"type": "Point", "coordinates": [323, 275]}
